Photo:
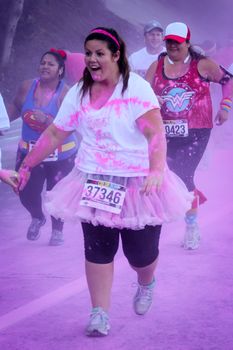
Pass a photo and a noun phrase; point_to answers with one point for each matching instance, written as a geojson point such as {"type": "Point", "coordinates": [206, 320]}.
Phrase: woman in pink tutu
{"type": "Point", "coordinates": [120, 186]}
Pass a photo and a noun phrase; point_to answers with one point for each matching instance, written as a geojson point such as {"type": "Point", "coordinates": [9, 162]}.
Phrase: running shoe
{"type": "Point", "coordinates": [33, 232]}
{"type": "Point", "coordinates": [98, 325]}
{"type": "Point", "coordinates": [143, 298]}
{"type": "Point", "coordinates": [191, 237]}
{"type": "Point", "coordinates": [57, 238]}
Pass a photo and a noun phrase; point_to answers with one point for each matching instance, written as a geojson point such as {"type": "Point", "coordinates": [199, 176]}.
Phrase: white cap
{"type": "Point", "coordinates": [177, 31]}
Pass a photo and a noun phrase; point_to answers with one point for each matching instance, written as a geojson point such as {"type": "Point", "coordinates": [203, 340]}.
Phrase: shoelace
{"type": "Point", "coordinates": [99, 315]}
{"type": "Point", "coordinates": [144, 293]}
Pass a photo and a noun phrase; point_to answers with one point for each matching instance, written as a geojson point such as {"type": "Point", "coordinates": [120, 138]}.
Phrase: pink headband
{"type": "Point", "coordinates": [102, 31]}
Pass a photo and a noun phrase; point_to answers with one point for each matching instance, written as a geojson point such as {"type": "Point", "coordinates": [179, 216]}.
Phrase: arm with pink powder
{"type": "Point", "coordinates": [49, 140]}
{"type": "Point", "coordinates": [151, 125]}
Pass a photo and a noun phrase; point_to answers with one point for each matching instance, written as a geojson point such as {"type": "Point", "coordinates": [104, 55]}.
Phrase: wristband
{"type": "Point", "coordinates": [226, 104]}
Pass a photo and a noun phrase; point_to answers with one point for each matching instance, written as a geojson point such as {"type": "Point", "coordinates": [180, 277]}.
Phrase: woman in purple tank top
{"type": "Point", "coordinates": [37, 102]}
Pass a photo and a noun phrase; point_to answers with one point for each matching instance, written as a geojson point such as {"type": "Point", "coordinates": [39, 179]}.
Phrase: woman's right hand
{"type": "Point", "coordinates": [221, 117]}
{"type": "Point", "coordinates": [152, 183]}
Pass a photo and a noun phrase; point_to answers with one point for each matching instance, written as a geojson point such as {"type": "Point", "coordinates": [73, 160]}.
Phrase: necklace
{"type": "Point", "coordinates": [185, 60]}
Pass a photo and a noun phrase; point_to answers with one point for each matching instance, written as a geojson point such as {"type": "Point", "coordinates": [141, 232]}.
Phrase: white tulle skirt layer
{"type": "Point", "coordinates": [167, 204]}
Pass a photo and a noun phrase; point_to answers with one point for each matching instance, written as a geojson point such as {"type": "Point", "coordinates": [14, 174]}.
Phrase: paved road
{"type": "Point", "coordinates": [44, 301]}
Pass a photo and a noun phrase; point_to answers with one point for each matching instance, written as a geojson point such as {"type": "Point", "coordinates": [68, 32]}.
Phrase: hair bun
{"type": "Point", "coordinates": [62, 53]}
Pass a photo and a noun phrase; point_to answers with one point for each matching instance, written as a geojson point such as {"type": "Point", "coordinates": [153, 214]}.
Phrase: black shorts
{"type": "Point", "coordinates": [184, 154]}
{"type": "Point", "coordinates": [141, 247]}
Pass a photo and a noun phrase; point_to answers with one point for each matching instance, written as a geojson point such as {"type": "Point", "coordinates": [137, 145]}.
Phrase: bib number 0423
{"type": "Point", "coordinates": [103, 195]}
{"type": "Point", "coordinates": [176, 128]}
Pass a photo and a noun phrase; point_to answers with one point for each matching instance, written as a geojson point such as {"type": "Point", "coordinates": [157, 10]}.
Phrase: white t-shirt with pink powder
{"type": "Point", "coordinates": [4, 121]}
{"type": "Point", "coordinates": [111, 142]}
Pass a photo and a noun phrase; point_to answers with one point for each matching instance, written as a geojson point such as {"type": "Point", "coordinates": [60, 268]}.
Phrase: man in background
{"type": "Point", "coordinates": [141, 60]}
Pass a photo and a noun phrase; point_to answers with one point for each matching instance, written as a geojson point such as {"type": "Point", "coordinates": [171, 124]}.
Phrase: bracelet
{"type": "Point", "coordinates": [225, 108]}
{"type": "Point", "coordinates": [226, 104]}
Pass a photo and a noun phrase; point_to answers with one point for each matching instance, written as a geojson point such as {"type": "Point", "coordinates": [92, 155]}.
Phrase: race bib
{"type": "Point", "coordinates": [51, 158]}
{"type": "Point", "coordinates": [103, 195]}
{"type": "Point", "coordinates": [176, 128]}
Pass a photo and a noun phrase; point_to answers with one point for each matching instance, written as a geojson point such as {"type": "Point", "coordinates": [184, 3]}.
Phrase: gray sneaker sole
{"type": "Point", "coordinates": [96, 333]}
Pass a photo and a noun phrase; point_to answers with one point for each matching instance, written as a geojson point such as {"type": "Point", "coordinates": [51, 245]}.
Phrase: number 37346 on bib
{"type": "Point", "coordinates": [103, 195]}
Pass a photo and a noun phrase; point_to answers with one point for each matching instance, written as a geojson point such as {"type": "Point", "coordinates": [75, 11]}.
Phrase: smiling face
{"type": "Point", "coordinates": [154, 39]}
{"type": "Point", "coordinates": [177, 51]}
{"type": "Point", "coordinates": [100, 61]}
{"type": "Point", "coordinates": [49, 68]}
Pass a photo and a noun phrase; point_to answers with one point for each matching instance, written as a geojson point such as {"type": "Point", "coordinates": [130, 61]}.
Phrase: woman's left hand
{"type": "Point", "coordinates": [152, 183]}
{"type": "Point", "coordinates": [10, 177]}
{"type": "Point", "coordinates": [221, 117]}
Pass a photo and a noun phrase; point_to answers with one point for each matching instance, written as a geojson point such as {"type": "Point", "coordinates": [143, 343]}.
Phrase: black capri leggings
{"type": "Point", "coordinates": [141, 247]}
{"type": "Point", "coordinates": [184, 154]}
{"type": "Point", "coordinates": [49, 172]}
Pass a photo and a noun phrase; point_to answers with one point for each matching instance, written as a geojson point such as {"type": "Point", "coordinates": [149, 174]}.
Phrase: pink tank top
{"type": "Point", "coordinates": [186, 97]}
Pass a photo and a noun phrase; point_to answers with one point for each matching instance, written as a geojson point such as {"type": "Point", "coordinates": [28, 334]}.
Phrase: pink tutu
{"type": "Point", "coordinates": [167, 204]}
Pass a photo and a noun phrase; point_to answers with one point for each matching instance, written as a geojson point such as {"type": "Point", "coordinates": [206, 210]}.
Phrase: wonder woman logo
{"type": "Point", "coordinates": [177, 99]}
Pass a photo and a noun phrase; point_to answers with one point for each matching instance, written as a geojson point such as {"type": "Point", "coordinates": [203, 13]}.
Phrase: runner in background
{"type": "Point", "coordinates": [37, 102]}
{"type": "Point", "coordinates": [181, 78]}
{"type": "Point", "coordinates": [141, 60]}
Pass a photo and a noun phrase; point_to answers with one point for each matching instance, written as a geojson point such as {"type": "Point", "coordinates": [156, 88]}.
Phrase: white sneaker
{"type": "Point", "coordinates": [57, 238]}
{"type": "Point", "coordinates": [143, 298]}
{"type": "Point", "coordinates": [191, 237]}
{"type": "Point", "coordinates": [98, 325]}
